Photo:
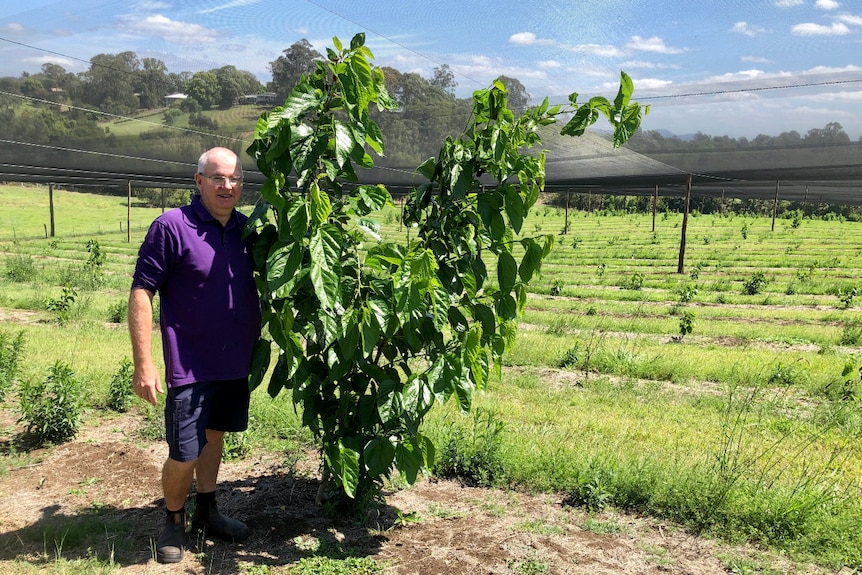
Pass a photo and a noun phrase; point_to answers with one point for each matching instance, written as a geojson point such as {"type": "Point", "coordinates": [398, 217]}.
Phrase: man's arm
{"type": "Point", "coordinates": [146, 379]}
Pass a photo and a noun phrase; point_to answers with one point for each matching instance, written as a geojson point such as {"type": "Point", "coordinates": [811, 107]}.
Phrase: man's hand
{"type": "Point", "coordinates": [147, 384]}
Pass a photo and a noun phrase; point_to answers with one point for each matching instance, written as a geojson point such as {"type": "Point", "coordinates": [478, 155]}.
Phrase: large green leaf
{"type": "Point", "coordinates": [260, 358]}
{"type": "Point", "coordinates": [409, 459]}
{"type": "Point", "coordinates": [321, 207]}
{"type": "Point", "coordinates": [507, 271]}
{"type": "Point", "coordinates": [281, 265]}
{"type": "Point", "coordinates": [379, 455]}
{"type": "Point", "coordinates": [344, 463]}
{"type": "Point", "coordinates": [325, 248]}
{"type": "Point", "coordinates": [344, 142]}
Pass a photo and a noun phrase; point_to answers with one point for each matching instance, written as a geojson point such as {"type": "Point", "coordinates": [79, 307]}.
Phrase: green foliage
{"type": "Point", "coordinates": [687, 293]}
{"type": "Point", "coordinates": [472, 455]}
{"type": "Point", "coordinates": [556, 287]}
{"type": "Point", "coordinates": [851, 333]}
{"type": "Point", "coordinates": [755, 284]}
{"type": "Point", "coordinates": [350, 323]}
{"type": "Point", "coordinates": [236, 446]}
{"type": "Point", "coordinates": [51, 409]}
{"type": "Point", "coordinates": [635, 282]}
{"type": "Point", "coordinates": [846, 297]}
{"type": "Point", "coordinates": [20, 268]}
{"type": "Point", "coordinates": [62, 306]}
{"type": "Point", "coordinates": [118, 311]}
{"type": "Point", "coordinates": [11, 351]}
{"type": "Point", "coordinates": [686, 323]}
{"type": "Point", "coordinates": [573, 357]}
{"type": "Point", "coordinates": [120, 392]}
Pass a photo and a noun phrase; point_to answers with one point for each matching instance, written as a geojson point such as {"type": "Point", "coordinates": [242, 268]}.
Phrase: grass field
{"type": "Point", "coordinates": [725, 398]}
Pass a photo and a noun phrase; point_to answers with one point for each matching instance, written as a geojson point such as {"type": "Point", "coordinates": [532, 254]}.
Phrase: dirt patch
{"type": "Point", "coordinates": [100, 496]}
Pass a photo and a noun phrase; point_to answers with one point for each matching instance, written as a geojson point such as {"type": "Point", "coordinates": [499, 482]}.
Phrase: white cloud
{"type": "Point", "coordinates": [604, 50]}
{"type": "Point", "coordinates": [522, 38]}
{"type": "Point", "coordinates": [746, 29]}
{"type": "Point", "coordinates": [528, 39]}
{"type": "Point", "coordinates": [169, 30]}
{"type": "Point", "coordinates": [548, 64]}
{"type": "Point", "coordinates": [645, 84]}
{"type": "Point", "coordinates": [654, 44]}
{"type": "Point", "coordinates": [756, 59]}
{"type": "Point", "coordinates": [827, 4]}
{"type": "Point", "coordinates": [788, 3]}
{"type": "Point", "coordinates": [842, 96]}
{"type": "Point", "coordinates": [68, 64]}
{"type": "Point", "coordinates": [644, 65]}
{"type": "Point", "coordinates": [232, 4]}
{"type": "Point", "coordinates": [811, 29]}
{"type": "Point", "coordinates": [851, 19]}
{"type": "Point", "coordinates": [12, 28]}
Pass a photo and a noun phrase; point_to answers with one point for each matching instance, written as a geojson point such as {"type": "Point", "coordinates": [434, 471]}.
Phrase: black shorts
{"type": "Point", "coordinates": [192, 409]}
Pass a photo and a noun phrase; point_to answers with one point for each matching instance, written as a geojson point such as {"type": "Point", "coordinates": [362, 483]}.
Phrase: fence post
{"type": "Point", "coordinates": [775, 205]}
{"type": "Point", "coordinates": [129, 214]}
{"type": "Point", "coordinates": [51, 207]}
{"type": "Point", "coordinates": [654, 204]}
{"type": "Point", "coordinates": [680, 268]}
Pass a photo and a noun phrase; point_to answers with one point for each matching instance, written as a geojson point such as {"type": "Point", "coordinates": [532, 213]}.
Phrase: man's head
{"type": "Point", "coordinates": [219, 179]}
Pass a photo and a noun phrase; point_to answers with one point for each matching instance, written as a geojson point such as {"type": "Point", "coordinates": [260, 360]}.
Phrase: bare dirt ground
{"type": "Point", "coordinates": [99, 496]}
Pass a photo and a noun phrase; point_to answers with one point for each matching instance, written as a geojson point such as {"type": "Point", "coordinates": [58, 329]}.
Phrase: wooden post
{"type": "Point", "coordinates": [680, 268]}
{"type": "Point", "coordinates": [51, 206]}
{"type": "Point", "coordinates": [654, 204]}
{"type": "Point", "coordinates": [805, 202]}
{"type": "Point", "coordinates": [566, 226]}
{"type": "Point", "coordinates": [129, 214]}
{"type": "Point", "coordinates": [401, 219]}
{"type": "Point", "coordinates": [775, 205]}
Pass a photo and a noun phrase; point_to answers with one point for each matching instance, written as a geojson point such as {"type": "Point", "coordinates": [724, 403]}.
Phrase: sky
{"type": "Point", "coordinates": [732, 67]}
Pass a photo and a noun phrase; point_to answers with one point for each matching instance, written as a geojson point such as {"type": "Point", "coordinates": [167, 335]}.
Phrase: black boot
{"type": "Point", "coordinates": [171, 543]}
{"type": "Point", "coordinates": [213, 524]}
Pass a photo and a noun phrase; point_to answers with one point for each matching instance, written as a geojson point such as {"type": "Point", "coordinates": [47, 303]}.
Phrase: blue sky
{"type": "Point", "coordinates": [730, 67]}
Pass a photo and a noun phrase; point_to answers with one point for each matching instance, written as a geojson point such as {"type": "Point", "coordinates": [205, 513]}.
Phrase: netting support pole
{"type": "Point", "coordinates": [129, 214]}
{"type": "Point", "coordinates": [566, 225]}
{"type": "Point", "coordinates": [654, 204]}
{"type": "Point", "coordinates": [775, 205]}
{"type": "Point", "coordinates": [680, 268]}
{"type": "Point", "coordinates": [51, 207]}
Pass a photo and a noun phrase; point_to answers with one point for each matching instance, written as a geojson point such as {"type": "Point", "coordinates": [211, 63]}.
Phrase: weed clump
{"type": "Point", "coordinates": [120, 392]}
{"type": "Point", "coordinates": [51, 409]}
{"type": "Point", "coordinates": [11, 349]}
{"type": "Point", "coordinates": [474, 455]}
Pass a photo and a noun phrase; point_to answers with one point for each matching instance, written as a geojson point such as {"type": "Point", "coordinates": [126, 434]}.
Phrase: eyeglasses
{"type": "Point", "coordinates": [223, 180]}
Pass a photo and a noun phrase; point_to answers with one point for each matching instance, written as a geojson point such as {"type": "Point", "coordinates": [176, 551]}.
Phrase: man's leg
{"type": "Point", "coordinates": [207, 465]}
{"type": "Point", "coordinates": [176, 482]}
{"type": "Point", "coordinates": [207, 517]}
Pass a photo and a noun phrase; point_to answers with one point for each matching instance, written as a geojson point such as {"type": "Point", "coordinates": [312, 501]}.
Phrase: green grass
{"type": "Point", "coordinates": [735, 431]}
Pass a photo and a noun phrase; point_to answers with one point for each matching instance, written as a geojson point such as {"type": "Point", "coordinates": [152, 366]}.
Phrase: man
{"type": "Point", "coordinates": [194, 257]}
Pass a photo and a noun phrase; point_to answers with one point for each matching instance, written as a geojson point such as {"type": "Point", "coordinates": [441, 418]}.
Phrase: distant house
{"type": "Point", "coordinates": [266, 99]}
{"type": "Point", "coordinates": [173, 98]}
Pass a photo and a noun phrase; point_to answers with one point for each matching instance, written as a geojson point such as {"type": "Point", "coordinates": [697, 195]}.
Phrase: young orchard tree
{"type": "Point", "coordinates": [372, 333]}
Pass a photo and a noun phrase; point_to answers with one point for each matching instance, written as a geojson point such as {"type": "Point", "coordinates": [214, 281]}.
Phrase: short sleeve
{"type": "Point", "coordinates": [155, 257]}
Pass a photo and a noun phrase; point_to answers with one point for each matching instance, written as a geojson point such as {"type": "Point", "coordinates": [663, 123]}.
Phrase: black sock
{"type": "Point", "coordinates": [177, 516]}
{"type": "Point", "coordinates": [202, 503]}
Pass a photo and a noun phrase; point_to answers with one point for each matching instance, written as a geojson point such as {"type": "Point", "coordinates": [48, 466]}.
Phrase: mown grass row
{"type": "Point", "coordinates": [747, 427]}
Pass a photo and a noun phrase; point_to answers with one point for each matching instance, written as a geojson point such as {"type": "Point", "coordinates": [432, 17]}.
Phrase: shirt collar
{"type": "Point", "coordinates": [204, 215]}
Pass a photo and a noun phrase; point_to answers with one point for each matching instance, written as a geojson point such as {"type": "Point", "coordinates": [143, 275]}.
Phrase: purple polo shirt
{"type": "Point", "coordinates": [210, 311]}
